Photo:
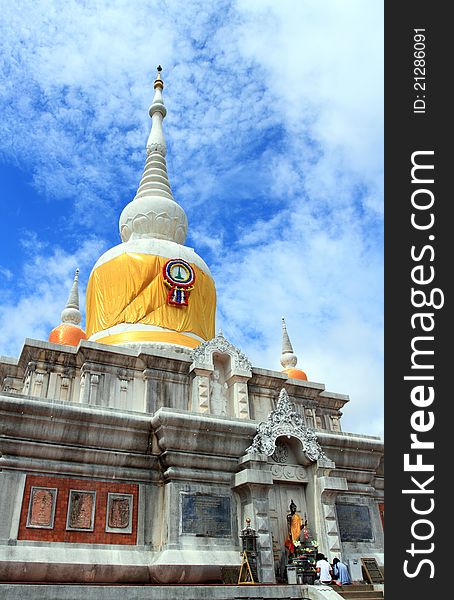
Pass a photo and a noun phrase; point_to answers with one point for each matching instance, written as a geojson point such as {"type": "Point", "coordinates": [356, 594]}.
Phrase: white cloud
{"type": "Point", "coordinates": [45, 283]}
{"type": "Point", "coordinates": [6, 273]}
{"type": "Point", "coordinates": [275, 145]}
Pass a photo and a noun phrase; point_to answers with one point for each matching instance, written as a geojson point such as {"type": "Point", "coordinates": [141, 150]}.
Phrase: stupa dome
{"type": "Point", "coordinates": [151, 289]}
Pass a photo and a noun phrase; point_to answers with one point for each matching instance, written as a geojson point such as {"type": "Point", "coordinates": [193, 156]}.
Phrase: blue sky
{"type": "Point", "coordinates": [275, 151]}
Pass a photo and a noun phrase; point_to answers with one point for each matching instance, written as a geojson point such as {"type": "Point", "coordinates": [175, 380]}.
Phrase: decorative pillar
{"type": "Point", "coordinates": [335, 423]}
{"type": "Point", "coordinates": [64, 387]}
{"type": "Point", "coordinates": [83, 389]}
{"type": "Point", "coordinates": [253, 483]}
{"type": "Point", "coordinates": [28, 379]}
{"type": "Point", "coordinates": [240, 396]}
{"type": "Point", "coordinates": [124, 392]}
{"type": "Point", "coordinates": [94, 383]}
{"type": "Point", "coordinates": [309, 417]}
{"type": "Point", "coordinates": [90, 384]}
{"type": "Point", "coordinates": [322, 490]}
{"type": "Point", "coordinates": [149, 400]}
{"type": "Point", "coordinates": [201, 391]}
{"type": "Point", "coordinates": [38, 389]}
{"type": "Point", "coordinates": [125, 383]}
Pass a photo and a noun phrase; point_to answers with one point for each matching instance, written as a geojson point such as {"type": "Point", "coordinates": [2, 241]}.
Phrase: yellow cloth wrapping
{"type": "Point", "coordinates": [295, 527]}
{"type": "Point", "coordinates": [130, 289]}
{"type": "Point", "coordinates": [170, 337]}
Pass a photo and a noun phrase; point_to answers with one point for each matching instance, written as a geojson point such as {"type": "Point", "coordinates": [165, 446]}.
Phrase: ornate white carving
{"type": "Point", "coordinates": [277, 471]}
{"type": "Point", "coordinates": [156, 147]}
{"type": "Point", "coordinates": [285, 421]}
{"type": "Point", "coordinates": [301, 473]}
{"type": "Point", "coordinates": [289, 472]}
{"type": "Point", "coordinates": [202, 356]}
{"type": "Point", "coordinates": [280, 455]}
{"type": "Point", "coordinates": [152, 216]}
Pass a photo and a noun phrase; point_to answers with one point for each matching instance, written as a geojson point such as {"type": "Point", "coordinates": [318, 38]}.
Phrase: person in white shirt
{"type": "Point", "coordinates": [323, 569]}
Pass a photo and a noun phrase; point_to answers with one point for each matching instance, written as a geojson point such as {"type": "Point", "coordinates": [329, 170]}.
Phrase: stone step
{"type": "Point", "coordinates": [32, 591]}
{"type": "Point", "coordinates": [358, 587]}
{"type": "Point", "coordinates": [359, 594]}
{"type": "Point", "coordinates": [380, 597]}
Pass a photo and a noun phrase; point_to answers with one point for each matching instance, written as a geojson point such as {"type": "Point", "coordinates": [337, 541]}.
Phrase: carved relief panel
{"type": "Point", "coordinates": [41, 508]}
{"type": "Point", "coordinates": [119, 513]}
{"type": "Point", "coordinates": [81, 510]}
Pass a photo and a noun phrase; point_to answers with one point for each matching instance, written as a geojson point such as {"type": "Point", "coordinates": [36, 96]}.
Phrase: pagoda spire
{"type": "Point", "coordinates": [155, 178]}
{"type": "Point", "coordinates": [154, 213]}
{"type": "Point", "coordinates": [69, 331]}
{"type": "Point", "coordinates": [71, 313]}
{"type": "Point", "coordinates": [288, 357]}
{"type": "Point", "coordinates": [157, 112]}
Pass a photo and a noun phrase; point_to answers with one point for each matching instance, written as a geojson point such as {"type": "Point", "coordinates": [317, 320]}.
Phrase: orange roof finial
{"type": "Point", "coordinates": [69, 332]}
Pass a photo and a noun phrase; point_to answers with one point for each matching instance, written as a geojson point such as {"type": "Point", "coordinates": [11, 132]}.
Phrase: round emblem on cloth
{"type": "Point", "coordinates": [178, 272]}
{"type": "Point", "coordinates": [179, 276]}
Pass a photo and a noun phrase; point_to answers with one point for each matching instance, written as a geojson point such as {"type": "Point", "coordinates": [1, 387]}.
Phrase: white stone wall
{"type": "Point", "coordinates": [149, 417]}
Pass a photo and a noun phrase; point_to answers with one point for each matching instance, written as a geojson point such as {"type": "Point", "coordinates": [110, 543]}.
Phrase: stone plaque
{"type": "Point", "coordinates": [119, 513]}
{"type": "Point", "coordinates": [81, 510]}
{"type": "Point", "coordinates": [41, 508]}
{"type": "Point", "coordinates": [206, 515]}
{"type": "Point", "coordinates": [354, 522]}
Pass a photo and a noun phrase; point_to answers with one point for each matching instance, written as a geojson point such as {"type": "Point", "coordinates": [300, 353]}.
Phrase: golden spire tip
{"type": "Point", "coordinates": [158, 81]}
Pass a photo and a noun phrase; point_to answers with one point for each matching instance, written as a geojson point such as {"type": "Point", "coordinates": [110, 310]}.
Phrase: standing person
{"type": "Point", "coordinates": [340, 572]}
{"type": "Point", "coordinates": [323, 569]}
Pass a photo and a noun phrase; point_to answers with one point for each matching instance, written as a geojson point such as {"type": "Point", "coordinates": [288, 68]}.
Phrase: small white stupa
{"type": "Point", "coordinates": [288, 357]}
{"type": "Point", "coordinates": [69, 331]}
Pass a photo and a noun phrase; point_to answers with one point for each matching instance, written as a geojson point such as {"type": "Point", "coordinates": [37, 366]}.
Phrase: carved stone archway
{"type": "Point", "coordinates": [285, 421]}
{"type": "Point", "coordinates": [321, 487]}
